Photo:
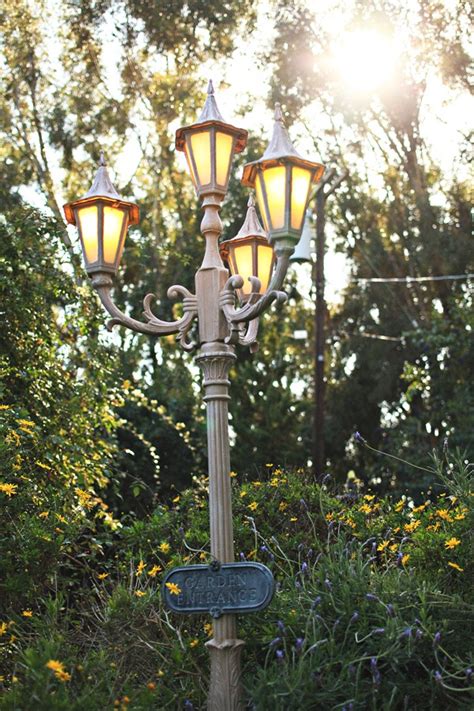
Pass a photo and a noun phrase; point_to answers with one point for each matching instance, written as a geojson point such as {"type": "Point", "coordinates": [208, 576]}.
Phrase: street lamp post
{"type": "Point", "coordinates": [283, 181]}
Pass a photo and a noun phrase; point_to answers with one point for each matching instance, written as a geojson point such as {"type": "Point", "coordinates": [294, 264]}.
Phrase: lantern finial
{"type": "Point", "coordinates": [102, 184]}
{"type": "Point", "coordinates": [280, 144]}
{"type": "Point", "coordinates": [251, 224]}
{"type": "Point", "coordinates": [210, 111]}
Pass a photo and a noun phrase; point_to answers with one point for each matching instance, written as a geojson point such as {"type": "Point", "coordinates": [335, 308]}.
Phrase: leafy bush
{"type": "Point", "coordinates": [372, 607]}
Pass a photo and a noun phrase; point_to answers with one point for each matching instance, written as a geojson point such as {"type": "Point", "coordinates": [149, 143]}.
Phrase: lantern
{"type": "Point", "coordinates": [249, 253]}
{"type": "Point", "coordinates": [282, 179]}
{"type": "Point", "coordinates": [102, 218]}
{"type": "Point", "coordinates": [209, 146]}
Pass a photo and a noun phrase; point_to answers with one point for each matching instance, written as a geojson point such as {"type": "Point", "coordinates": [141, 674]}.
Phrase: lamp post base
{"type": "Point", "coordinates": [225, 691]}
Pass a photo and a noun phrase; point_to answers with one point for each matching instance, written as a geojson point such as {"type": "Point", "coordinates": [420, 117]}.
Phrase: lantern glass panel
{"type": "Point", "coordinates": [113, 223]}
{"type": "Point", "coordinates": [275, 187]}
{"type": "Point", "coordinates": [88, 225]}
{"type": "Point", "coordinates": [190, 164]}
{"type": "Point", "coordinates": [224, 144]}
{"type": "Point", "coordinates": [300, 182]}
{"type": "Point", "coordinates": [261, 201]}
{"type": "Point", "coordinates": [243, 256]}
{"type": "Point", "coordinates": [201, 151]}
{"type": "Point", "coordinates": [265, 260]}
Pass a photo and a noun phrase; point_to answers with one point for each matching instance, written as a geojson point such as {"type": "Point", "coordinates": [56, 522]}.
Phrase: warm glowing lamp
{"type": "Point", "coordinates": [249, 253]}
{"type": "Point", "coordinates": [102, 218]}
{"type": "Point", "coordinates": [282, 179]}
{"type": "Point", "coordinates": [209, 146]}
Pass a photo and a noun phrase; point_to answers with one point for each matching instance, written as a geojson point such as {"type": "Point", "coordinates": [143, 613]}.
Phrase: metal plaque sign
{"type": "Point", "coordinates": [218, 588]}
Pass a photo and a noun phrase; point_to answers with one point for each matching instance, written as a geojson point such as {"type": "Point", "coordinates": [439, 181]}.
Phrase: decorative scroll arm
{"type": "Point", "coordinates": [155, 326]}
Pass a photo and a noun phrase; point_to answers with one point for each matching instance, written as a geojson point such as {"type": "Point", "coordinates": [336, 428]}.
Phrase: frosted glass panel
{"type": "Point", "coordinates": [113, 221]}
{"type": "Point", "coordinates": [265, 259]}
{"type": "Point", "coordinates": [299, 195]}
{"type": "Point", "coordinates": [275, 187]}
{"type": "Point", "coordinates": [244, 263]}
{"type": "Point", "coordinates": [261, 201]}
{"type": "Point", "coordinates": [87, 217]}
{"type": "Point", "coordinates": [201, 149]}
{"type": "Point", "coordinates": [223, 157]}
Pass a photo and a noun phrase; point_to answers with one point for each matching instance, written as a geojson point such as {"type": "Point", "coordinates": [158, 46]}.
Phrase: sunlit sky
{"type": "Point", "coordinates": [365, 59]}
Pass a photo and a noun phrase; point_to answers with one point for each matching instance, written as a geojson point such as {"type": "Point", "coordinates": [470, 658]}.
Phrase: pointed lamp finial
{"type": "Point", "coordinates": [102, 158]}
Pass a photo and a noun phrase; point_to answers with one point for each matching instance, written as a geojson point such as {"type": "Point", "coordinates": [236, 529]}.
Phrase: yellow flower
{"type": "Point", "coordinates": [257, 484]}
{"type": "Point", "coordinates": [43, 514]}
{"type": "Point", "coordinates": [4, 407]}
{"type": "Point", "coordinates": [233, 474]}
{"type": "Point", "coordinates": [420, 508]}
{"type": "Point", "coordinates": [399, 505]}
{"type": "Point", "coordinates": [173, 588]}
{"type": "Point", "coordinates": [194, 643]}
{"type": "Point", "coordinates": [433, 527]}
{"type": "Point", "coordinates": [269, 465]}
{"type": "Point", "coordinates": [58, 669]}
{"type": "Point", "coordinates": [393, 547]}
{"type": "Point", "coordinates": [456, 567]}
{"type": "Point", "coordinates": [208, 629]}
{"type": "Point", "coordinates": [13, 438]}
{"type": "Point", "coordinates": [3, 628]}
{"type": "Point", "coordinates": [139, 593]}
{"type": "Point", "coordinates": [369, 497]}
{"type": "Point", "coordinates": [8, 489]}
{"type": "Point", "coordinates": [26, 423]}
{"type": "Point", "coordinates": [151, 685]}
{"type": "Point", "coordinates": [61, 518]}
{"type": "Point", "coordinates": [405, 558]}
{"type": "Point", "coordinates": [202, 555]}
{"type": "Point", "coordinates": [274, 482]}
{"type": "Point", "coordinates": [283, 505]}
{"type": "Point", "coordinates": [293, 519]}
{"type": "Point", "coordinates": [443, 514]}
{"type": "Point", "coordinates": [141, 567]}
{"type": "Point", "coordinates": [176, 499]}
{"type": "Point", "coordinates": [411, 527]}
{"type": "Point", "coordinates": [126, 385]}
{"type": "Point", "coordinates": [154, 570]}
{"type": "Point", "coordinates": [253, 506]}
{"type": "Point", "coordinates": [27, 613]}
{"type": "Point", "coordinates": [103, 576]}
{"type": "Point", "coordinates": [329, 516]}
{"type": "Point", "coordinates": [243, 493]}
{"type": "Point", "coordinates": [382, 546]}
{"type": "Point", "coordinates": [365, 508]}
{"type": "Point", "coordinates": [43, 466]}
{"type": "Point", "coordinates": [452, 543]}
{"type": "Point", "coordinates": [165, 547]}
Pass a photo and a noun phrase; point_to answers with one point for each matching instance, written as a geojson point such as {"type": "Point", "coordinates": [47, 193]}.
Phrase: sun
{"type": "Point", "coordinates": [365, 60]}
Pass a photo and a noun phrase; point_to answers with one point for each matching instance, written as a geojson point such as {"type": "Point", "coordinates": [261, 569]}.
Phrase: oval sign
{"type": "Point", "coordinates": [218, 588]}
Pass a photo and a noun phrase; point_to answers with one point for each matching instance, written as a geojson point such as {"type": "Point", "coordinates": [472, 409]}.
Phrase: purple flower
{"type": "Point", "coordinates": [379, 630]}
{"type": "Point", "coordinates": [330, 526]}
{"type": "Point", "coordinates": [326, 478]}
{"type": "Point", "coordinates": [303, 504]}
{"type": "Point", "coordinates": [181, 531]}
{"type": "Point", "coordinates": [358, 438]}
{"type": "Point", "coordinates": [264, 549]}
{"type": "Point", "coordinates": [275, 641]}
{"type": "Point", "coordinates": [376, 678]}
{"type": "Point", "coordinates": [280, 655]}
{"type": "Point", "coordinates": [316, 602]}
{"type": "Point", "coordinates": [469, 674]}
{"type": "Point", "coordinates": [281, 627]}
{"type": "Point", "coordinates": [297, 585]}
{"type": "Point", "coordinates": [337, 622]}
{"type": "Point", "coordinates": [351, 669]}
{"type": "Point", "coordinates": [242, 556]}
{"type": "Point", "coordinates": [328, 584]}
{"type": "Point", "coordinates": [438, 677]}
{"type": "Point", "coordinates": [436, 639]}
{"type": "Point", "coordinates": [418, 634]}
{"type": "Point", "coordinates": [299, 644]}
{"type": "Point", "coordinates": [406, 633]}
{"type": "Point", "coordinates": [354, 618]}
{"type": "Point", "coordinates": [374, 548]}
{"type": "Point", "coordinates": [304, 568]}
{"type": "Point", "coordinates": [188, 704]}
{"type": "Point", "coordinates": [390, 610]}
{"type": "Point", "coordinates": [372, 598]}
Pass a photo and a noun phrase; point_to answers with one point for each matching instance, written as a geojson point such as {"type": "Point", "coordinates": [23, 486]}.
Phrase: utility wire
{"type": "Point", "coordinates": [409, 279]}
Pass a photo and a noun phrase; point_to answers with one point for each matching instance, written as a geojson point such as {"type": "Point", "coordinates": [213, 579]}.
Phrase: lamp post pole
{"type": "Point", "coordinates": [283, 181]}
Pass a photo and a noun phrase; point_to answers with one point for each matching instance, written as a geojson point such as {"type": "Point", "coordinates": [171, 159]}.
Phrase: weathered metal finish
{"type": "Point", "coordinates": [217, 589]}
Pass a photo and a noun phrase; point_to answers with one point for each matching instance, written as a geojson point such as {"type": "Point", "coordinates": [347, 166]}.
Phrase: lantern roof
{"type": "Point", "coordinates": [280, 145]}
{"type": "Point", "coordinates": [211, 116]}
{"type": "Point", "coordinates": [251, 226]}
{"type": "Point", "coordinates": [102, 185]}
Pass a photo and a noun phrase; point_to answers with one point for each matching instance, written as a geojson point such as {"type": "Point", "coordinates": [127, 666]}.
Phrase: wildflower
{"type": "Point", "coordinates": [3, 628]}
{"type": "Point", "coordinates": [456, 567]}
{"type": "Point", "coordinates": [443, 514]}
{"type": "Point", "coordinates": [176, 499]}
{"type": "Point", "coordinates": [8, 489]}
{"type": "Point", "coordinates": [242, 556]}
{"type": "Point", "coordinates": [358, 438]}
{"type": "Point", "coordinates": [281, 627]}
{"type": "Point", "coordinates": [139, 593]}
{"type": "Point", "coordinates": [283, 506]}
{"type": "Point", "coordinates": [164, 547]}
{"type": "Point", "coordinates": [141, 567]}
{"type": "Point", "coordinates": [257, 484]}
{"type": "Point", "coordinates": [328, 584]}
{"type": "Point", "coordinates": [208, 629]}
{"type": "Point", "coordinates": [27, 613]}
{"type": "Point", "coordinates": [316, 602]}
{"type": "Point", "coordinates": [253, 506]}
{"type": "Point", "coordinates": [151, 685]}
{"type": "Point", "coordinates": [436, 639]}
{"type": "Point", "coordinates": [280, 654]}
{"type": "Point", "coordinates": [399, 505]}
{"type": "Point", "coordinates": [411, 527]}
{"type": "Point", "coordinates": [419, 634]}
{"type": "Point", "coordinates": [58, 669]}
{"type": "Point", "coordinates": [468, 674]}
{"type": "Point", "coordinates": [406, 633]}
{"type": "Point", "coordinates": [405, 558]}
{"type": "Point", "coordinates": [376, 678]}
{"type": "Point", "coordinates": [194, 643]}
{"type": "Point", "coordinates": [382, 546]}
{"type": "Point", "coordinates": [438, 677]}
{"type": "Point", "coordinates": [233, 474]}
{"type": "Point", "coordinates": [299, 642]}
{"type": "Point", "coordinates": [269, 465]}
{"type": "Point", "coordinates": [354, 617]}
{"type": "Point", "coordinates": [103, 576]}
{"type": "Point", "coordinates": [275, 641]}
{"type": "Point", "coordinates": [293, 519]}
{"type": "Point", "coordinates": [26, 423]}
{"type": "Point", "coordinates": [243, 493]}
{"type": "Point", "coordinates": [304, 568]}
{"type": "Point", "coordinates": [390, 610]}
{"type": "Point", "coordinates": [372, 598]}
{"type": "Point", "coordinates": [452, 543]}
{"type": "Point", "coordinates": [365, 508]}
{"type": "Point", "coordinates": [154, 570]}
{"type": "Point", "coordinates": [173, 588]}
{"type": "Point", "coordinates": [379, 630]}
{"type": "Point", "coordinates": [4, 407]}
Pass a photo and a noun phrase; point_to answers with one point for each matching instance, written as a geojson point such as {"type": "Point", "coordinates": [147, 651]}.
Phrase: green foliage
{"type": "Point", "coordinates": [368, 610]}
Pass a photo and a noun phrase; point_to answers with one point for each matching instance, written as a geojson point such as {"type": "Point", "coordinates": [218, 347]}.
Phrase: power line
{"type": "Point", "coordinates": [409, 279]}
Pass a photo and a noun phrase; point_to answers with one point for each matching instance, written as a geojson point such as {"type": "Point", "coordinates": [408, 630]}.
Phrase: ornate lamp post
{"type": "Point", "coordinates": [283, 182]}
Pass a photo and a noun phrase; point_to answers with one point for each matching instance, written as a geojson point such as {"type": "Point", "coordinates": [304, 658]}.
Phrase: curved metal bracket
{"type": "Point", "coordinates": [155, 326]}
